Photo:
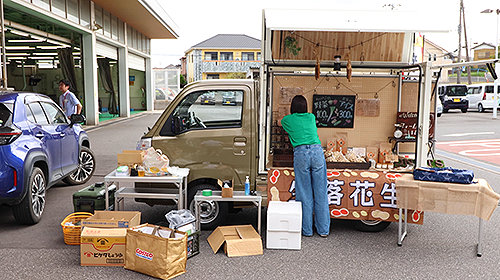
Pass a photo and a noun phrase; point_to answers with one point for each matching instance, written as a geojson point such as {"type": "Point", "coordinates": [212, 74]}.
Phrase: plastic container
{"type": "Point", "coordinates": [247, 186]}
{"type": "Point", "coordinates": [284, 225]}
{"type": "Point", "coordinates": [179, 218]}
{"type": "Point", "coordinates": [70, 228]}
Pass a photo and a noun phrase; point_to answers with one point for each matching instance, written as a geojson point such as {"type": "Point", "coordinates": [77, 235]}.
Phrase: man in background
{"type": "Point", "coordinates": [68, 101]}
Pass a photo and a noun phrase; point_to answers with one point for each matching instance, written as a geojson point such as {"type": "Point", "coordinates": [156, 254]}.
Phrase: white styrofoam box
{"type": "Point", "coordinates": [283, 240]}
{"type": "Point", "coordinates": [284, 216]}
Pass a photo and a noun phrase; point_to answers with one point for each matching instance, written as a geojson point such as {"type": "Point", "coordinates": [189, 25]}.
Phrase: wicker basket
{"type": "Point", "coordinates": [72, 232]}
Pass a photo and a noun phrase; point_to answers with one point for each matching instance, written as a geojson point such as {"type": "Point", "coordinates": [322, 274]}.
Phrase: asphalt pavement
{"type": "Point", "coordinates": [444, 247]}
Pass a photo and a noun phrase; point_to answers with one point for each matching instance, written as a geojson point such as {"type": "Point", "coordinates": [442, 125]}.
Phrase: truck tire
{"type": "Point", "coordinates": [369, 225]}
{"type": "Point", "coordinates": [213, 213]}
{"type": "Point", "coordinates": [30, 210]}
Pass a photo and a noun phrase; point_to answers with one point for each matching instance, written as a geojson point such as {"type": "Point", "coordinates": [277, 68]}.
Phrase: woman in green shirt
{"type": "Point", "coordinates": [309, 166]}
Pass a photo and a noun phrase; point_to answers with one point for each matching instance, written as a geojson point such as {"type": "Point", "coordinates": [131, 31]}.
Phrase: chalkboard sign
{"type": "Point", "coordinates": [334, 110]}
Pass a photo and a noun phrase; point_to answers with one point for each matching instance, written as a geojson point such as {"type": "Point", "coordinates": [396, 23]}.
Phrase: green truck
{"type": "Point", "coordinates": [231, 142]}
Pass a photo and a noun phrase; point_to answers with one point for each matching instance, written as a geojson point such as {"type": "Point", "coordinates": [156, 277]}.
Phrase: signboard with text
{"type": "Point", "coordinates": [352, 194]}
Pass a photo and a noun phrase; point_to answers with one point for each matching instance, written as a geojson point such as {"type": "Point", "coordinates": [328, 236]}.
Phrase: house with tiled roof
{"type": "Point", "coordinates": [222, 56]}
{"type": "Point", "coordinates": [484, 51]}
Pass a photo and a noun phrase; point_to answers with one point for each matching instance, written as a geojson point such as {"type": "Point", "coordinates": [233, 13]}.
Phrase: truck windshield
{"type": "Point", "coordinates": [456, 91]}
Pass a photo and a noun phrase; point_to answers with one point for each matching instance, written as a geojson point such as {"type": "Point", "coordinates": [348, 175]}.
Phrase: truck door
{"type": "Point", "coordinates": [210, 135]}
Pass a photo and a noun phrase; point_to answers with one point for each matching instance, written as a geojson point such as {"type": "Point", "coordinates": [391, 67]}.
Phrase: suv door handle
{"type": "Point", "coordinates": [39, 135]}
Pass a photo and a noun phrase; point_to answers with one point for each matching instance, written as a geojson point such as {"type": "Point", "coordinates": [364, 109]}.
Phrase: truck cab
{"type": "Point", "coordinates": [215, 142]}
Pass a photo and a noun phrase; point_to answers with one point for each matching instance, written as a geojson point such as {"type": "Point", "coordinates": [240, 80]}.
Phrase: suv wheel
{"type": "Point", "coordinates": [30, 210]}
{"type": "Point", "coordinates": [212, 213]}
{"type": "Point", "coordinates": [85, 170]}
{"type": "Point", "coordinates": [464, 110]}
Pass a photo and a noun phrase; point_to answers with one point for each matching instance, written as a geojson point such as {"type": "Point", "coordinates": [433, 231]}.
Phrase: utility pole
{"type": "Point", "coordinates": [459, 72]}
{"type": "Point", "coordinates": [466, 44]}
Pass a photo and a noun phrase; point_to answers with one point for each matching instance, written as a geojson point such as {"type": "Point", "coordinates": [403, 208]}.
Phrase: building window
{"type": "Point", "coordinates": [107, 23]}
{"type": "Point", "coordinates": [212, 76]}
{"type": "Point", "coordinates": [114, 27]}
{"type": "Point", "coordinates": [98, 17]}
{"type": "Point", "coordinates": [210, 56]}
{"type": "Point", "coordinates": [73, 10]}
{"type": "Point", "coordinates": [430, 57]}
{"type": "Point", "coordinates": [85, 13]}
{"type": "Point", "coordinates": [59, 8]}
{"type": "Point", "coordinates": [226, 56]}
{"type": "Point", "coordinates": [247, 56]}
{"type": "Point", "coordinates": [435, 57]}
{"type": "Point", "coordinates": [258, 55]}
{"type": "Point", "coordinates": [44, 4]}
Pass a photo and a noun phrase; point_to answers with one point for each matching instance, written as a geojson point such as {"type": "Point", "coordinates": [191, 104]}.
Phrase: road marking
{"type": "Point", "coordinates": [467, 142]}
{"type": "Point", "coordinates": [471, 133]}
{"type": "Point", "coordinates": [469, 161]}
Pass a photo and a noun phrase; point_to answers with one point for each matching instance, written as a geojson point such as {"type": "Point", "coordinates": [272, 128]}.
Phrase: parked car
{"type": "Point", "coordinates": [207, 99]}
{"type": "Point", "coordinates": [453, 96]}
{"type": "Point", "coordinates": [439, 108]}
{"type": "Point", "coordinates": [228, 98]}
{"type": "Point", "coordinates": [40, 146]}
{"type": "Point", "coordinates": [480, 96]}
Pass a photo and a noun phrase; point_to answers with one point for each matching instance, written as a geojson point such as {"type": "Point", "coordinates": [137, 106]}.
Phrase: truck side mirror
{"type": "Point", "coordinates": [176, 125]}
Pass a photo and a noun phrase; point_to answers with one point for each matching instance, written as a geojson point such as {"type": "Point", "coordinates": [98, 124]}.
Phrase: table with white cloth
{"type": "Point", "coordinates": [476, 199]}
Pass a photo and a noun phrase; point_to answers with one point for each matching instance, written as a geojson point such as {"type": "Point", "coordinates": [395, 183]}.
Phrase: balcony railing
{"type": "Point", "coordinates": [222, 66]}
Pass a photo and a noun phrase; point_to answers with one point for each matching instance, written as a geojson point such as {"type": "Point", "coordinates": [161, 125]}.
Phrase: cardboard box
{"type": "Point", "coordinates": [237, 240]}
{"type": "Point", "coordinates": [130, 158]}
{"type": "Point", "coordinates": [226, 187]}
{"type": "Point", "coordinates": [102, 246]}
{"type": "Point", "coordinates": [113, 219]}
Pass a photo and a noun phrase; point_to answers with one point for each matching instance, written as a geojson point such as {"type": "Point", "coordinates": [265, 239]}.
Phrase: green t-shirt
{"type": "Point", "coordinates": [301, 128]}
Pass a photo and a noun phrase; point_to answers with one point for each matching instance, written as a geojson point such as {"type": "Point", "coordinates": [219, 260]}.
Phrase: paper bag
{"type": "Point", "coordinates": [341, 142]}
{"type": "Point", "coordinates": [160, 256]}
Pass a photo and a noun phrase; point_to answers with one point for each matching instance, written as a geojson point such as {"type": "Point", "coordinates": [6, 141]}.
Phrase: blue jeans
{"type": "Point", "coordinates": [311, 188]}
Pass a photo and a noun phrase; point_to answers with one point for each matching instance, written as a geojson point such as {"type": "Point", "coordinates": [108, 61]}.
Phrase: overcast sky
{"type": "Point", "coordinates": [200, 20]}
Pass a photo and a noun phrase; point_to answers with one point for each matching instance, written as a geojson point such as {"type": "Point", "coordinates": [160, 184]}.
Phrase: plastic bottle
{"type": "Point", "coordinates": [247, 186]}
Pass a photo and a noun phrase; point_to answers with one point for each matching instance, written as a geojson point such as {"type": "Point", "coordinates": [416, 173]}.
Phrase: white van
{"type": "Point", "coordinates": [480, 96]}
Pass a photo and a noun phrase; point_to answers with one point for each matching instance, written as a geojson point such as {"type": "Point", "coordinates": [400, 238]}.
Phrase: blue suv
{"type": "Point", "coordinates": [39, 146]}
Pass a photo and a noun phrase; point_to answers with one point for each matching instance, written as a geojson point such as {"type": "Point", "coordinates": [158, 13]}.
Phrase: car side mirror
{"type": "Point", "coordinates": [77, 118]}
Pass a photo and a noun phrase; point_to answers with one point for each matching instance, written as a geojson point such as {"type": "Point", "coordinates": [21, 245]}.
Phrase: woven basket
{"type": "Point", "coordinates": [72, 232]}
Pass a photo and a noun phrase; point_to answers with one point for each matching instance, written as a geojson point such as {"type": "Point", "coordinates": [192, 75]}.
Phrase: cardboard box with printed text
{"type": "Point", "coordinates": [102, 246]}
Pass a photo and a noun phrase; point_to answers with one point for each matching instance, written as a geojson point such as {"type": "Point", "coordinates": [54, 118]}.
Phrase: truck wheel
{"type": "Point", "coordinates": [370, 225]}
{"type": "Point", "coordinates": [212, 213]}
{"type": "Point", "coordinates": [30, 210]}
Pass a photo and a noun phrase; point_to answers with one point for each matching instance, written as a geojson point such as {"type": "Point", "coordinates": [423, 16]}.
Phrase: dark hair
{"type": "Point", "coordinates": [299, 104]}
{"type": "Point", "coordinates": [65, 82]}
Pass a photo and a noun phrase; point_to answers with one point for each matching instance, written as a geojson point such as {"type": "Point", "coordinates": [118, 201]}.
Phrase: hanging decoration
{"type": "Point", "coordinates": [317, 68]}
{"type": "Point", "coordinates": [349, 67]}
